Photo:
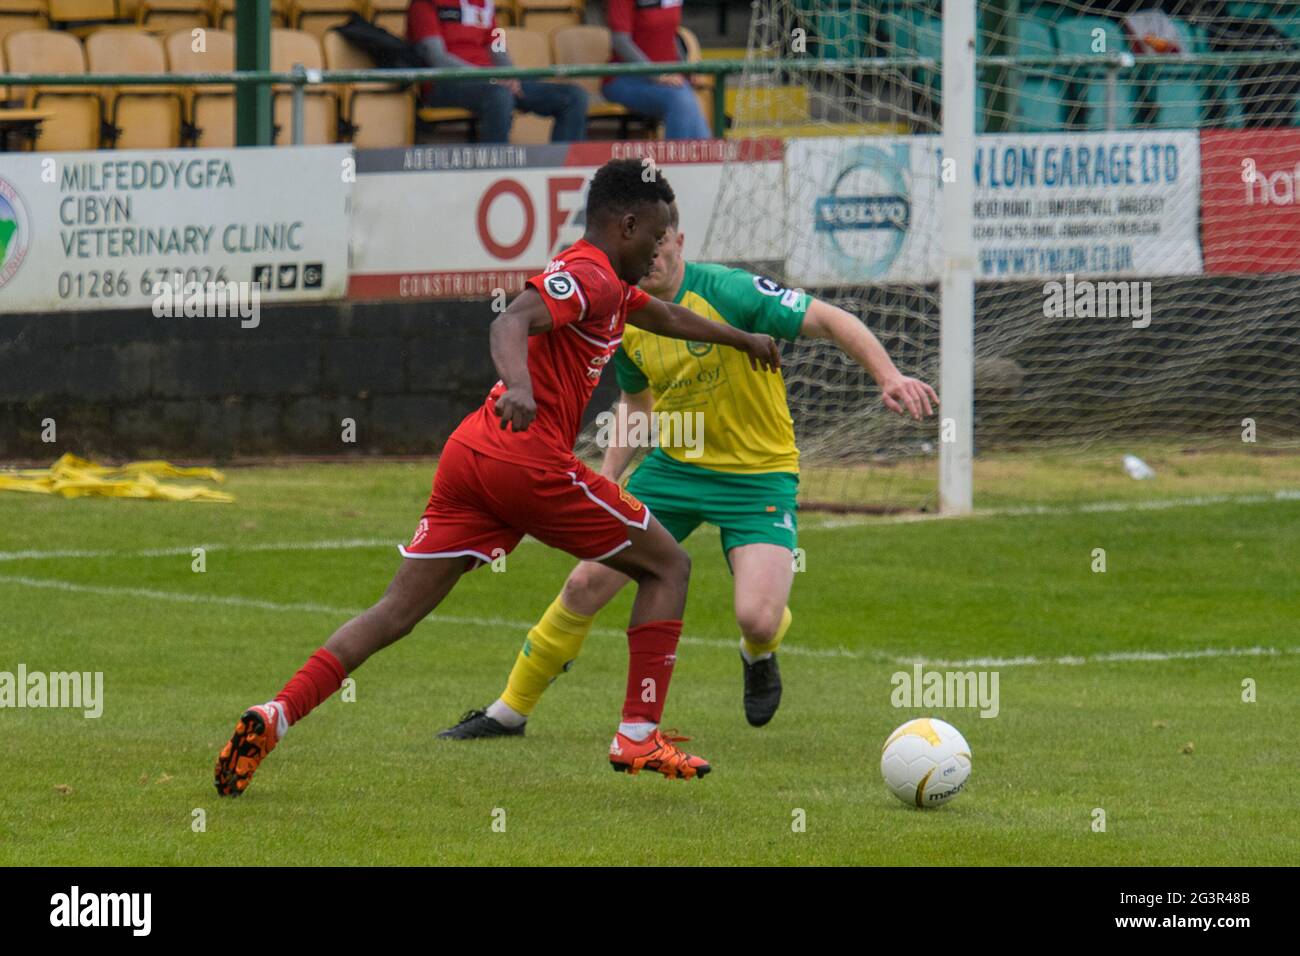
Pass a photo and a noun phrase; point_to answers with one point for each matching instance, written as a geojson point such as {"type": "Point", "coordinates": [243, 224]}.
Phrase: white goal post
{"type": "Point", "coordinates": [957, 284]}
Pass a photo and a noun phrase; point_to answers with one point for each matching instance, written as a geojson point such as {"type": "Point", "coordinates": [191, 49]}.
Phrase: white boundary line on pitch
{"type": "Point", "coordinates": [828, 525]}
{"type": "Point", "coordinates": [258, 604]}
{"type": "Point", "coordinates": [1095, 507]}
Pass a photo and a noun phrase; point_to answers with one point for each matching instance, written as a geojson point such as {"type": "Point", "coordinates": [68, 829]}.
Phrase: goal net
{"type": "Point", "coordinates": [1136, 217]}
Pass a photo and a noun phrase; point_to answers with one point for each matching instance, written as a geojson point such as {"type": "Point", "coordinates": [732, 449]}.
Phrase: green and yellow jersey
{"type": "Point", "coordinates": [747, 424]}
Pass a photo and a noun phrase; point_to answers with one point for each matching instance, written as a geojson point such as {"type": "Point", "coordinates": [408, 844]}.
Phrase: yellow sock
{"type": "Point", "coordinates": [551, 645]}
{"type": "Point", "coordinates": [755, 650]}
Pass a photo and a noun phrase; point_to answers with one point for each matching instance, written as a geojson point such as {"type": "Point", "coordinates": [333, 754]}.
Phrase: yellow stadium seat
{"type": "Point", "coordinates": [381, 114]}
{"type": "Point", "coordinates": [317, 16]}
{"type": "Point", "coordinates": [40, 8]}
{"type": "Point", "coordinates": [168, 15]}
{"type": "Point", "coordinates": [690, 43]}
{"type": "Point", "coordinates": [210, 109]}
{"type": "Point", "coordinates": [75, 117]}
{"type": "Point", "coordinates": [374, 8]}
{"type": "Point", "coordinates": [70, 11]}
{"type": "Point", "coordinates": [320, 112]}
{"type": "Point", "coordinates": [143, 118]}
{"type": "Point", "coordinates": [394, 23]}
{"type": "Point", "coordinates": [547, 15]}
{"type": "Point", "coordinates": [528, 48]}
{"type": "Point", "coordinates": [223, 13]}
{"type": "Point", "coordinates": [13, 22]}
{"type": "Point", "coordinates": [590, 44]}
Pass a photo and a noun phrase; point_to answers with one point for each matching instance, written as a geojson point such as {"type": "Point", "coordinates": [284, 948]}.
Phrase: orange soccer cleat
{"type": "Point", "coordinates": [656, 752]}
{"type": "Point", "coordinates": [255, 736]}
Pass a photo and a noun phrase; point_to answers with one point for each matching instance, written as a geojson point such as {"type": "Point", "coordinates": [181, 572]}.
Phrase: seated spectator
{"type": "Point", "coordinates": [458, 33]}
{"type": "Point", "coordinates": [645, 31]}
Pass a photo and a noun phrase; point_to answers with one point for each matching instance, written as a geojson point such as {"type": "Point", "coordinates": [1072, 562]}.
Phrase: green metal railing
{"type": "Point", "coordinates": [1113, 65]}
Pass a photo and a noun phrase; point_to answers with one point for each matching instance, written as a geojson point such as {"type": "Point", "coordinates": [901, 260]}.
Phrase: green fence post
{"type": "Point", "coordinates": [252, 52]}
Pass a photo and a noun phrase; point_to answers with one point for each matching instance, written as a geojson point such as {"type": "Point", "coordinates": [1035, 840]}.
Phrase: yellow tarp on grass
{"type": "Point", "coordinates": [74, 477]}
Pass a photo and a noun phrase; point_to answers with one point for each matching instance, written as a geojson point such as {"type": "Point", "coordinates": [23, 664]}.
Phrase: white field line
{"type": "Point", "coordinates": [521, 627]}
{"type": "Point", "coordinates": [1095, 507]}
{"type": "Point", "coordinates": [343, 545]}
{"type": "Point", "coordinates": [830, 524]}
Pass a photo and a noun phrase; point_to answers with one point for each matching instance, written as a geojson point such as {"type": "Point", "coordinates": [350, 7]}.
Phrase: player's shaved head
{"type": "Point", "coordinates": [629, 209]}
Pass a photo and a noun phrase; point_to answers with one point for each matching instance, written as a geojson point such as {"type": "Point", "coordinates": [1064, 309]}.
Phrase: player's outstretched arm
{"type": "Point", "coordinates": [677, 322]}
{"type": "Point", "coordinates": [508, 339]}
{"type": "Point", "coordinates": [618, 455]}
{"type": "Point", "coordinates": [900, 393]}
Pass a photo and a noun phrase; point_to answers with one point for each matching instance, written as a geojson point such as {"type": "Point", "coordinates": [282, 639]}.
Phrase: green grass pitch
{"type": "Point", "coordinates": [1115, 710]}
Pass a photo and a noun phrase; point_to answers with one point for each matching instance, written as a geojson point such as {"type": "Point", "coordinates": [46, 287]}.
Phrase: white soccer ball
{"type": "Point", "coordinates": [925, 762]}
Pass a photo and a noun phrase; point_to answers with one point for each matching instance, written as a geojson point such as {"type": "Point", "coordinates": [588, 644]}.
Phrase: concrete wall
{"type": "Point", "coordinates": [126, 384]}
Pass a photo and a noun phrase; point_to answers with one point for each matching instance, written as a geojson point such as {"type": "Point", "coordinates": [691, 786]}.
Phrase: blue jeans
{"type": "Point", "coordinates": [675, 105]}
{"type": "Point", "coordinates": [494, 105]}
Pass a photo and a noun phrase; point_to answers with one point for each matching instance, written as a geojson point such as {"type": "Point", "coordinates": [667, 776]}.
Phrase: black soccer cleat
{"type": "Point", "coordinates": [762, 690]}
{"type": "Point", "coordinates": [475, 724]}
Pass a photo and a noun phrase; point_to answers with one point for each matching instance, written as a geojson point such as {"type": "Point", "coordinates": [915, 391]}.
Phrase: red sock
{"type": "Point", "coordinates": [652, 651]}
{"type": "Point", "coordinates": [321, 676]}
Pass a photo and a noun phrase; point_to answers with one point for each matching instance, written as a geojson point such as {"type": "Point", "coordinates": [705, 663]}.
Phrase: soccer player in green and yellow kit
{"type": "Point", "coordinates": [743, 477]}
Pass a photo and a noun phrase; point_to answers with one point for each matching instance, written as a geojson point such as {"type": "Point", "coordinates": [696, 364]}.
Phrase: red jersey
{"type": "Point", "coordinates": [588, 303]}
{"type": "Point", "coordinates": [652, 23]}
{"type": "Point", "coordinates": [465, 26]}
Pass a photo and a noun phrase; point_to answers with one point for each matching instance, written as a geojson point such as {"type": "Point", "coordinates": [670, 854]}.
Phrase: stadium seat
{"type": "Point", "coordinates": [70, 11]}
{"type": "Point", "coordinates": [1175, 91]}
{"type": "Point", "coordinates": [589, 44]}
{"type": "Point", "coordinates": [82, 16]}
{"type": "Point", "coordinates": [168, 15]}
{"type": "Point", "coordinates": [908, 31]}
{"type": "Point", "coordinates": [1254, 11]}
{"type": "Point", "coordinates": [13, 22]}
{"type": "Point", "coordinates": [547, 15]}
{"type": "Point", "coordinates": [688, 45]}
{"type": "Point", "coordinates": [836, 32]}
{"type": "Point", "coordinates": [1039, 92]}
{"type": "Point", "coordinates": [1088, 86]}
{"type": "Point", "coordinates": [435, 116]}
{"type": "Point", "coordinates": [1221, 95]}
{"type": "Point", "coordinates": [75, 117]}
{"type": "Point", "coordinates": [210, 110]}
{"type": "Point", "coordinates": [317, 16]}
{"type": "Point", "coordinates": [223, 13]}
{"type": "Point", "coordinates": [320, 109]}
{"type": "Point", "coordinates": [395, 23]}
{"type": "Point", "coordinates": [390, 15]}
{"type": "Point", "coordinates": [379, 114]}
{"type": "Point", "coordinates": [528, 47]}
{"type": "Point", "coordinates": [38, 8]}
{"type": "Point", "coordinates": [141, 118]}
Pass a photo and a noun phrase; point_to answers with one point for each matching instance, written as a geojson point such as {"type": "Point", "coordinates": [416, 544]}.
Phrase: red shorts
{"type": "Point", "coordinates": [483, 506]}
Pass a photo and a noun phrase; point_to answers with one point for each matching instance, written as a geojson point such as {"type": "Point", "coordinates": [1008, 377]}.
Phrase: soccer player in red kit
{"type": "Point", "coordinates": [509, 470]}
